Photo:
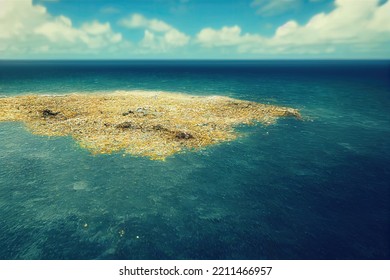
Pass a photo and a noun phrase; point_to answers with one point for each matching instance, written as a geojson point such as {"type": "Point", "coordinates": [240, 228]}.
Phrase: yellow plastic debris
{"type": "Point", "coordinates": [138, 123]}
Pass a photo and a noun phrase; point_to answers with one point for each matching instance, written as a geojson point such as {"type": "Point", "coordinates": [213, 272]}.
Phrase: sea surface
{"type": "Point", "coordinates": [317, 188]}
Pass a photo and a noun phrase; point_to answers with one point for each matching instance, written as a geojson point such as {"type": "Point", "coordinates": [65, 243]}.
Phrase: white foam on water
{"type": "Point", "coordinates": [80, 185]}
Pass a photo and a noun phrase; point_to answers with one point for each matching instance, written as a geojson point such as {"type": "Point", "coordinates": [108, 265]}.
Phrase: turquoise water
{"type": "Point", "coordinates": [312, 189]}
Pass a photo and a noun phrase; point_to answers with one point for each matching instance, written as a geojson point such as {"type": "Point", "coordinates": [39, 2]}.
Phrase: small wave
{"type": "Point", "coordinates": [80, 185]}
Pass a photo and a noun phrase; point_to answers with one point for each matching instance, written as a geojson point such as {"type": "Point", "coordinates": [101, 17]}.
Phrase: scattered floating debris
{"type": "Point", "coordinates": [136, 122]}
{"type": "Point", "coordinates": [80, 185]}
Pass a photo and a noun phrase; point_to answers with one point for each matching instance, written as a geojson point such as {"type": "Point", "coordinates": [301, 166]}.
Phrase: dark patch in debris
{"type": "Point", "coordinates": [49, 113]}
{"type": "Point", "coordinates": [183, 135]}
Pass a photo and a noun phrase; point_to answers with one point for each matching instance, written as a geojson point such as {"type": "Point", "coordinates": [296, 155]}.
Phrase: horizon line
{"type": "Point", "coordinates": [195, 59]}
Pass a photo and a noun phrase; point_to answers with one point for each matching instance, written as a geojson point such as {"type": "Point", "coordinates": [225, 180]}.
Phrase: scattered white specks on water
{"type": "Point", "coordinates": [80, 185]}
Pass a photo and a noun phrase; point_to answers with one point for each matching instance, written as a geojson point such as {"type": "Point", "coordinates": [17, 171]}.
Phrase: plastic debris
{"type": "Point", "coordinates": [136, 122]}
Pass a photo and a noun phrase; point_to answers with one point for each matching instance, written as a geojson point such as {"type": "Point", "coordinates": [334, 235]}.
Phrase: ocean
{"type": "Point", "coordinates": [317, 188]}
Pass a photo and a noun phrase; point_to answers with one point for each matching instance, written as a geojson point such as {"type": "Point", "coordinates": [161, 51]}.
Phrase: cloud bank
{"type": "Point", "coordinates": [350, 26]}
{"type": "Point", "coordinates": [28, 28]}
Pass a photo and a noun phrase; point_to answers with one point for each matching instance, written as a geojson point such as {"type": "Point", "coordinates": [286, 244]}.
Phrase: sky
{"type": "Point", "coordinates": [195, 29]}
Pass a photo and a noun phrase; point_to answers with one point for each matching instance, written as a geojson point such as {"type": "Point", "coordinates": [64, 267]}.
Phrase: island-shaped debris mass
{"type": "Point", "coordinates": [142, 123]}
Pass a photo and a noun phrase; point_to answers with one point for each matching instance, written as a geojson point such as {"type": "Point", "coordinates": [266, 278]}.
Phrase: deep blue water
{"type": "Point", "coordinates": [312, 189]}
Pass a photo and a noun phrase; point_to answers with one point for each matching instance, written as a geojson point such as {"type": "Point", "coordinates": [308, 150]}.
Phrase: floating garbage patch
{"type": "Point", "coordinates": [141, 123]}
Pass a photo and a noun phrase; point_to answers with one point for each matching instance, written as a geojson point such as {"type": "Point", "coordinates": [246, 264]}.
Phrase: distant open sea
{"type": "Point", "coordinates": [312, 189]}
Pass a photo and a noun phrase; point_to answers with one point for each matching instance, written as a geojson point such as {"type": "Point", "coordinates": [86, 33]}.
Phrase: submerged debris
{"type": "Point", "coordinates": [138, 123]}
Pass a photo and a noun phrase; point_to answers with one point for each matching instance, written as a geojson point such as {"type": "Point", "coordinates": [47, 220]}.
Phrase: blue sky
{"type": "Point", "coordinates": [190, 29]}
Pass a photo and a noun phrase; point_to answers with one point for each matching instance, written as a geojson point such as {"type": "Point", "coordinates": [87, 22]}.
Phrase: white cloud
{"type": "Point", "coordinates": [351, 22]}
{"type": "Point", "coordinates": [158, 35]}
{"type": "Point", "coordinates": [226, 36]}
{"type": "Point", "coordinates": [275, 7]}
{"type": "Point", "coordinates": [109, 10]}
{"type": "Point", "coordinates": [352, 25]}
{"type": "Point", "coordinates": [139, 21]}
{"type": "Point", "coordinates": [175, 38]}
{"type": "Point", "coordinates": [28, 28]}
{"type": "Point", "coordinates": [381, 19]}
